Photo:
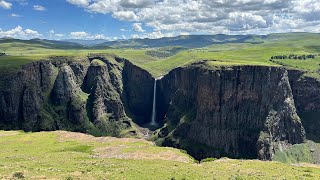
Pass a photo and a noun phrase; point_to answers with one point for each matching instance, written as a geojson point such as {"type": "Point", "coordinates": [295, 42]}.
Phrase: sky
{"type": "Point", "coordinates": [124, 19]}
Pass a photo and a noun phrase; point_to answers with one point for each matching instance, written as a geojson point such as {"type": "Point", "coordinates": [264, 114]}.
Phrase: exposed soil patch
{"type": "Point", "coordinates": [307, 165]}
{"type": "Point", "coordinates": [120, 152]}
{"type": "Point", "coordinates": [65, 136]}
{"type": "Point", "coordinates": [8, 133]}
{"type": "Point", "coordinates": [125, 149]}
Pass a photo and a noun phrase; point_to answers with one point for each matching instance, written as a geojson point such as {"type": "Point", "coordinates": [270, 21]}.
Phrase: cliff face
{"type": "Point", "coordinates": [306, 93]}
{"type": "Point", "coordinates": [138, 93]}
{"type": "Point", "coordinates": [241, 112]}
{"type": "Point", "coordinates": [79, 95]}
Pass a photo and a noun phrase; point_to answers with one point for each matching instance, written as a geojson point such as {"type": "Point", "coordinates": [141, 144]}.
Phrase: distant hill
{"type": "Point", "coordinates": [187, 41]}
{"type": "Point", "coordinates": [52, 44]}
{"type": "Point", "coordinates": [44, 42]}
{"type": "Point", "coordinates": [86, 42]}
{"type": "Point", "coordinates": [184, 41]}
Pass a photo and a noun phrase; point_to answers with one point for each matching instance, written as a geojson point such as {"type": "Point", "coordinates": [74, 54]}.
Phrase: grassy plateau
{"type": "Point", "coordinates": [228, 54]}
{"type": "Point", "coordinates": [66, 155]}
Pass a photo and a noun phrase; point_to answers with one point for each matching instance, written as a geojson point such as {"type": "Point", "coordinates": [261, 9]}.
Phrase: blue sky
{"type": "Point", "coordinates": [120, 19]}
{"type": "Point", "coordinates": [62, 18]}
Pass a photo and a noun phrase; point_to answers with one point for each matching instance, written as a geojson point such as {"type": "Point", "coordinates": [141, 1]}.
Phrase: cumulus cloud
{"type": "Point", "coordinates": [153, 35]}
{"type": "Point", "coordinates": [124, 30]}
{"type": "Point", "coordinates": [307, 9]}
{"type": "Point", "coordinates": [136, 3]}
{"type": "Point", "coordinates": [15, 15]}
{"type": "Point", "coordinates": [125, 15]}
{"type": "Point", "coordinates": [79, 35]}
{"type": "Point", "coordinates": [5, 4]}
{"type": "Point", "coordinates": [213, 16]}
{"type": "Point", "coordinates": [39, 8]}
{"type": "Point", "coordinates": [85, 35]}
{"type": "Point", "coordinates": [137, 27]}
{"type": "Point", "coordinates": [79, 2]}
{"type": "Point", "coordinates": [54, 35]}
{"type": "Point", "coordinates": [59, 35]}
{"type": "Point", "coordinates": [19, 32]}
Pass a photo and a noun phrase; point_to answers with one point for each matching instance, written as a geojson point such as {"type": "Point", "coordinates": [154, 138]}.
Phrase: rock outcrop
{"type": "Point", "coordinates": [86, 95]}
{"type": "Point", "coordinates": [240, 111]}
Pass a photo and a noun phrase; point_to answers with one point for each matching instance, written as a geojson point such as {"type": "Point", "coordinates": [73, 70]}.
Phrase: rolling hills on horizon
{"type": "Point", "coordinates": [186, 41]}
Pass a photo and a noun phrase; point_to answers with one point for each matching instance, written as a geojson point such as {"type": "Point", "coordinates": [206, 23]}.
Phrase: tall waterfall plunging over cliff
{"type": "Point", "coordinates": [153, 118]}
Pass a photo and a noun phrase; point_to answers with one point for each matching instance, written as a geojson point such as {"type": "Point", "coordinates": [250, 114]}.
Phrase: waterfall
{"type": "Point", "coordinates": [153, 118]}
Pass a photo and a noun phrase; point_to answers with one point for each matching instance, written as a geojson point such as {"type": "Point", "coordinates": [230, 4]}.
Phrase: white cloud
{"type": "Point", "coordinates": [125, 30]}
{"type": "Point", "coordinates": [31, 32]}
{"type": "Point", "coordinates": [79, 35]}
{"type": "Point", "coordinates": [136, 3]}
{"type": "Point", "coordinates": [15, 15]}
{"type": "Point", "coordinates": [79, 2]}
{"type": "Point", "coordinates": [184, 33]}
{"type": "Point", "coordinates": [19, 32]}
{"type": "Point", "coordinates": [153, 35]}
{"type": "Point", "coordinates": [307, 9]}
{"type": "Point", "coordinates": [137, 27]}
{"type": "Point", "coordinates": [158, 34]}
{"type": "Point", "coordinates": [98, 36]}
{"type": "Point", "coordinates": [135, 36]}
{"type": "Point", "coordinates": [39, 8]}
{"type": "Point", "coordinates": [54, 35]}
{"type": "Point", "coordinates": [124, 37]}
{"type": "Point", "coordinates": [59, 35]}
{"type": "Point", "coordinates": [85, 35]}
{"type": "Point", "coordinates": [5, 4]}
{"type": "Point", "coordinates": [125, 15]}
{"type": "Point", "coordinates": [213, 16]}
{"type": "Point", "coordinates": [103, 6]}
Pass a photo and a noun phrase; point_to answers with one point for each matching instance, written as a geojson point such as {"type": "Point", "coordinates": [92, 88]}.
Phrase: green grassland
{"type": "Point", "coordinates": [246, 53]}
{"type": "Point", "coordinates": [66, 155]}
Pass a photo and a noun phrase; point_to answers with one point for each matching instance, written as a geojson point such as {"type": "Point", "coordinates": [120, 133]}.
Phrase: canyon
{"type": "Point", "coordinates": [209, 111]}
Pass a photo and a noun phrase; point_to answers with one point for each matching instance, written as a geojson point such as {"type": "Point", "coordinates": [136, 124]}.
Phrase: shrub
{"type": "Point", "coordinates": [208, 160]}
{"type": "Point", "coordinates": [18, 175]}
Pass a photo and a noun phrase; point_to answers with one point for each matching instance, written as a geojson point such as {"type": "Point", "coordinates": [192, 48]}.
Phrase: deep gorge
{"type": "Point", "coordinates": [238, 111]}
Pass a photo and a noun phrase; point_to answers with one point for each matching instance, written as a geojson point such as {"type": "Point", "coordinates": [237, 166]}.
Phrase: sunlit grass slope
{"type": "Point", "coordinates": [65, 155]}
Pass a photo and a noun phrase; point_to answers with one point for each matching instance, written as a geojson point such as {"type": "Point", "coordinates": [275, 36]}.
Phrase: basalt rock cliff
{"type": "Point", "coordinates": [86, 95]}
{"type": "Point", "coordinates": [239, 111]}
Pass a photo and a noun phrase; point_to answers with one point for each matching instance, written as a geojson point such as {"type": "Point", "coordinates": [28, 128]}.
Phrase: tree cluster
{"type": "Point", "coordinates": [294, 56]}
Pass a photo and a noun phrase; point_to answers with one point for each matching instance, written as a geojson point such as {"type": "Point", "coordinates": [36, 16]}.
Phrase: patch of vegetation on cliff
{"type": "Point", "coordinates": [43, 155]}
{"type": "Point", "coordinates": [299, 153]}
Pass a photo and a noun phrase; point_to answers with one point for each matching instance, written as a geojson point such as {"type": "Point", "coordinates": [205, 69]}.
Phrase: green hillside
{"type": "Point", "coordinates": [66, 155]}
{"type": "Point", "coordinates": [251, 50]}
